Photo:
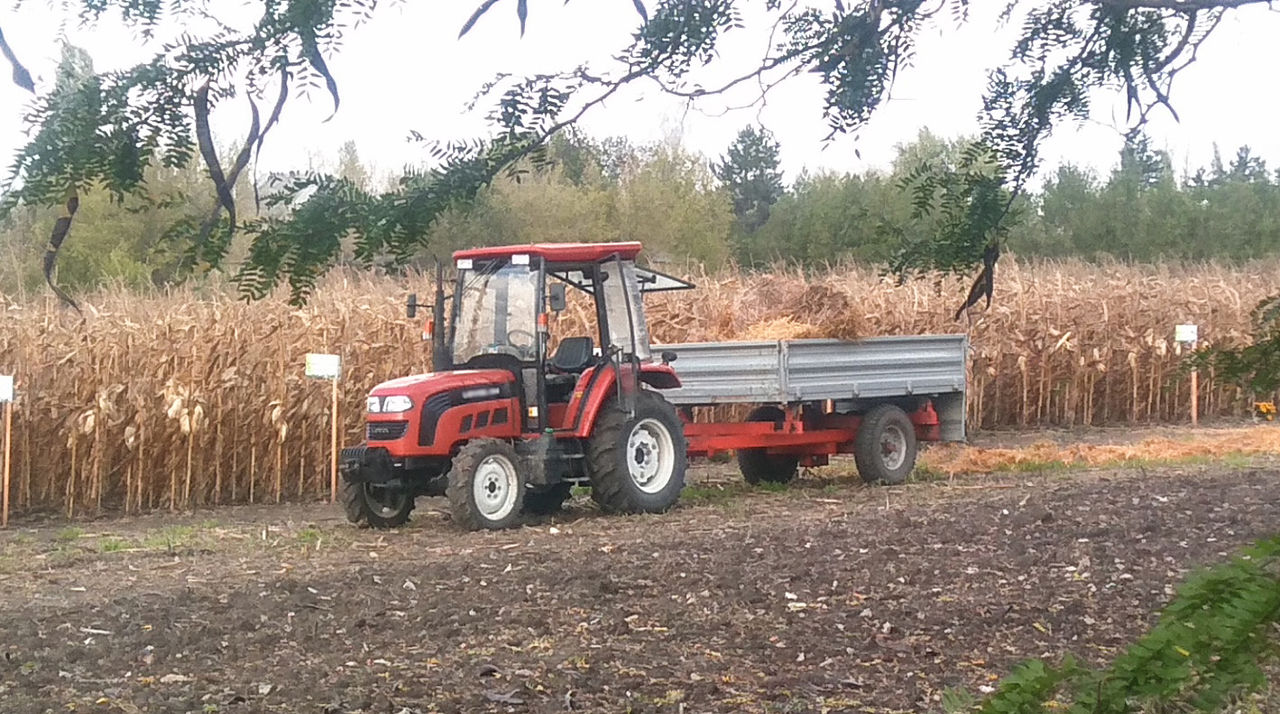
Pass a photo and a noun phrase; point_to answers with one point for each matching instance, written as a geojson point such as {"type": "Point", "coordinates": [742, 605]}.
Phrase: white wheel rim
{"type": "Point", "coordinates": [651, 455]}
{"type": "Point", "coordinates": [893, 447]}
{"type": "Point", "coordinates": [494, 487]}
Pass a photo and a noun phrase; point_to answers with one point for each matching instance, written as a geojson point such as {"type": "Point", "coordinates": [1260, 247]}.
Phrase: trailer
{"type": "Point", "coordinates": [874, 398]}
{"type": "Point", "coordinates": [517, 410]}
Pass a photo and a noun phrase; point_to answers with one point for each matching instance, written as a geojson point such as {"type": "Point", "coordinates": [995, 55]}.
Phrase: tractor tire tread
{"type": "Point", "coordinates": [757, 466]}
{"type": "Point", "coordinates": [611, 486]}
{"type": "Point", "coordinates": [459, 477]}
{"type": "Point", "coordinates": [545, 503]}
{"type": "Point", "coordinates": [867, 443]}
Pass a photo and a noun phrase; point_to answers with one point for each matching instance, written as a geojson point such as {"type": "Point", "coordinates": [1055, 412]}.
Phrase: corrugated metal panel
{"type": "Point", "coordinates": [882, 367]}
{"type": "Point", "coordinates": [726, 372]}
{"type": "Point", "coordinates": [809, 370]}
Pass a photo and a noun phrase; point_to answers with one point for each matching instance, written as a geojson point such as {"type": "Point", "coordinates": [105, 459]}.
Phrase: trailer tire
{"type": "Point", "coordinates": [637, 463]}
{"type": "Point", "coordinates": [885, 446]}
{"type": "Point", "coordinates": [486, 487]}
{"type": "Point", "coordinates": [377, 507]}
{"type": "Point", "coordinates": [758, 465]}
{"type": "Point", "coordinates": [545, 503]}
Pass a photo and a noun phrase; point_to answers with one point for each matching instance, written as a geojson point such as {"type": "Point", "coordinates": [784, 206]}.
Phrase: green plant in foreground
{"type": "Point", "coordinates": [1209, 645]}
{"type": "Point", "coordinates": [113, 545]}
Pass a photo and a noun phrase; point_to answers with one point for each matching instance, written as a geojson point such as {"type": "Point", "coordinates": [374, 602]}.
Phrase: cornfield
{"type": "Point", "coordinates": [192, 397]}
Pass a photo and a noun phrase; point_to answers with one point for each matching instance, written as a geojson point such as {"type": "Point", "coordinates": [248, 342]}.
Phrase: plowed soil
{"type": "Point", "coordinates": [829, 596]}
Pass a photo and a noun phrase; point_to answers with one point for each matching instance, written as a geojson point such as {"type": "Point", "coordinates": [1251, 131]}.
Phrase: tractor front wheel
{"type": "Point", "coordinates": [486, 487]}
{"type": "Point", "coordinates": [378, 506]}
{"type": "Point", "coordinates": [637, 462]}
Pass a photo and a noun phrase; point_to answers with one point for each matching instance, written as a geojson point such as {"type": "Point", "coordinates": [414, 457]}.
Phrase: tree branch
{"type": "Point", "coordinates": [1177, 5]}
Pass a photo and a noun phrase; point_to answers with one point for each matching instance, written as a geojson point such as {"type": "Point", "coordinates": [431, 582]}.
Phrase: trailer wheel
{"type": "Point", "coordinates": [378, 506]}
{"type": "Point", "coordinates": [637, 463]}
{"type": "Point", "coordinates": [486, 485]}
{"type": "Point", "coordinates": [758, 465]}
{"type": "Point", "coordinates": [885, 446]}
{"type": "Point", "coordinates": [543, 503]}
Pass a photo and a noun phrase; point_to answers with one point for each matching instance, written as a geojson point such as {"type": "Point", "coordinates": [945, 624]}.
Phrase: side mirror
{"type": "Point", "coordinates": [557, 297]}
{"type": "Point", "coordinates": [411, 307]}
{"type": "Point", "coordinates": [668, 356]}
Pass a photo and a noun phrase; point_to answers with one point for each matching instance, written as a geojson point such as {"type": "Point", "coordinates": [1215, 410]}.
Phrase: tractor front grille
{"type": "Point", "coordinates": [385, 430]}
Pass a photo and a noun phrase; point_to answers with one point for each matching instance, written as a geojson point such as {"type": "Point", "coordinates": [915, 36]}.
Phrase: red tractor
{"type": "Point", "coordinates": [503, 427]}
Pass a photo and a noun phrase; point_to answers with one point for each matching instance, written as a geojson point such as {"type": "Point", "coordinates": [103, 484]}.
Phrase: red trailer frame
{"type": "Point", "coordinates": [812, 436]}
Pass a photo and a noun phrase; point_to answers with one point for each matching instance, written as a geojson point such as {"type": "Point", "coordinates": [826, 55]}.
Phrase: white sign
{"type": "Point", "coordinates": [1186, 333]}
{"type": "Point", "coordinates": [6, 388]}
{"type": "Point", "coordinates": [323, 366]}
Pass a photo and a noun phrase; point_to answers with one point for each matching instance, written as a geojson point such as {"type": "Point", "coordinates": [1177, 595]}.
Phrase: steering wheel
{"type": "Point", "coordinates": [521, 352]}
{"type": "Point", "coordinates": [499, 349]}
{"type": "Point", "coordinates": [529, 343]}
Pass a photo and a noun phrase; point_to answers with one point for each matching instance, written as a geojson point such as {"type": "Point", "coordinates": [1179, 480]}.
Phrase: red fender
{"type": "Point", "coordinates": [596, 386]}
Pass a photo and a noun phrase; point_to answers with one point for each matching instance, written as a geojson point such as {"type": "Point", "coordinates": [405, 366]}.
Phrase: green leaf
{"type": "Point", "coordinates": [312, 52]}
{"type": "Point", "coordinates": [471, 21]}
{"type": "Point", "coordinates": [21, 76]}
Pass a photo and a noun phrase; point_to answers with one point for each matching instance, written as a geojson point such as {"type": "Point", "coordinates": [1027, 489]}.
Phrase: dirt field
{"type": "Point", "coordinates": [826, 597]}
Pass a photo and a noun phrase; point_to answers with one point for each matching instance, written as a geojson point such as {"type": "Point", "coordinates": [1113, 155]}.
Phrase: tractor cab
{"type": "Point", "coordinates": [520, 377]}
{"type": "Point", "coordinates": [506, 302]}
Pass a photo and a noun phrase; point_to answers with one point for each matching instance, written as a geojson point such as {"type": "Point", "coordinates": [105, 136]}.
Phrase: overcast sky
{"type": "Point", "coordinates": [407, 70]}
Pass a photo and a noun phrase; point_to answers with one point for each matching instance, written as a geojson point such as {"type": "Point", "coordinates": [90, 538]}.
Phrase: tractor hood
{"type": "Point", "coordinates": [424, 385]}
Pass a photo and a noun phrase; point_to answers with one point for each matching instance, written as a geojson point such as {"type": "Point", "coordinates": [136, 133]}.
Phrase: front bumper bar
{"type": "Point", "coordinates": [366, 464]}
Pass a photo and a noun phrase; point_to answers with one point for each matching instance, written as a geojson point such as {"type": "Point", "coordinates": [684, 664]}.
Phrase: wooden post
{"type": "Point", "coordinates": [8, 456]}
{"type": "Point", "coordinates": [1195, 393]}
{"type": "Point", "coordinates": [333, 446]}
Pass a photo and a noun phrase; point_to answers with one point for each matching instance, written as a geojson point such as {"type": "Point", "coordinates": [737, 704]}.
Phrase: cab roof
{"type": "Point", "coordinates": [555, 252]}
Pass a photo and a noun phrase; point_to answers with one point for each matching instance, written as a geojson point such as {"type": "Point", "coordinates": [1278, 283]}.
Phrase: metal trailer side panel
{"type": "Point", "coordinates": [790, 371]}
{"type": "Point", "coordinates": [726, 373]}
{"type": "Point", "coordinates": [875, 368]}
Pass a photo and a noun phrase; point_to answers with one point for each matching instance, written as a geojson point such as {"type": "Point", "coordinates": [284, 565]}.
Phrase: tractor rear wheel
{"type": "Point", "coordinates": [885, 446]}
{"type": "Point", "coordinates": [378, 506]}
{"type": "Point", "coordinates": [759, 465]}
{"type": "Point", "coordinates": [486, 485]}
{"type": "Point", "coordinates": [637, 463]}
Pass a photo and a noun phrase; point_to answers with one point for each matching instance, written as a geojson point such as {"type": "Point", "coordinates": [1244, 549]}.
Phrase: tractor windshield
{"type": "Point", "coordinates": [497, 312]}
{"type": "Point", "coordinates": [625, 307]}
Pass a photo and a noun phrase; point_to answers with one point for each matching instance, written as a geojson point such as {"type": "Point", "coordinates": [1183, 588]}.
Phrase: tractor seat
{"type": "Point", "coordinates": [573, 356]}
{"type": "Point", "coordinates": [571, 359]}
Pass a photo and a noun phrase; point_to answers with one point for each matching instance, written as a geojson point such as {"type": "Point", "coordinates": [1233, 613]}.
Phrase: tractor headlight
{"type": "Point", "coordinates": [396, 404]}
{"type": "Point", "coordinates": [373, 405]}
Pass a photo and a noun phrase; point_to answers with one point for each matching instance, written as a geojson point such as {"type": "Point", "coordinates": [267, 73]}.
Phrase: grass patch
{"type": "Point", "coordinates": [68, 534]}
{"type": "Point", "coordinates": [957, 701]}
{"type": "Point", "coordinates": [113, 545]}
{"type": "Point", "coordinates": [707, 494]}
{"type": "Point", "coordinates": [770, 486]}
{"type": "Point", "coordinates": [169, 537]}
{"type": "Point", "coordinates": [923, 473]}
{"type": "Point", "coordinates": [310, 535]}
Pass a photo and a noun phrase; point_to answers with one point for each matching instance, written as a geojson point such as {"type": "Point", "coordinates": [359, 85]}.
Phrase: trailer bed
{"type": "Point", "coordinates": [805, 371]}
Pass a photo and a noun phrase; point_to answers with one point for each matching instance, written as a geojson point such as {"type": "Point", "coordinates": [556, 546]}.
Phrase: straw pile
{"type": "Point", "coordinates": [956, 459]}
{"type": "Point", "coordinates": [193, 398]}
